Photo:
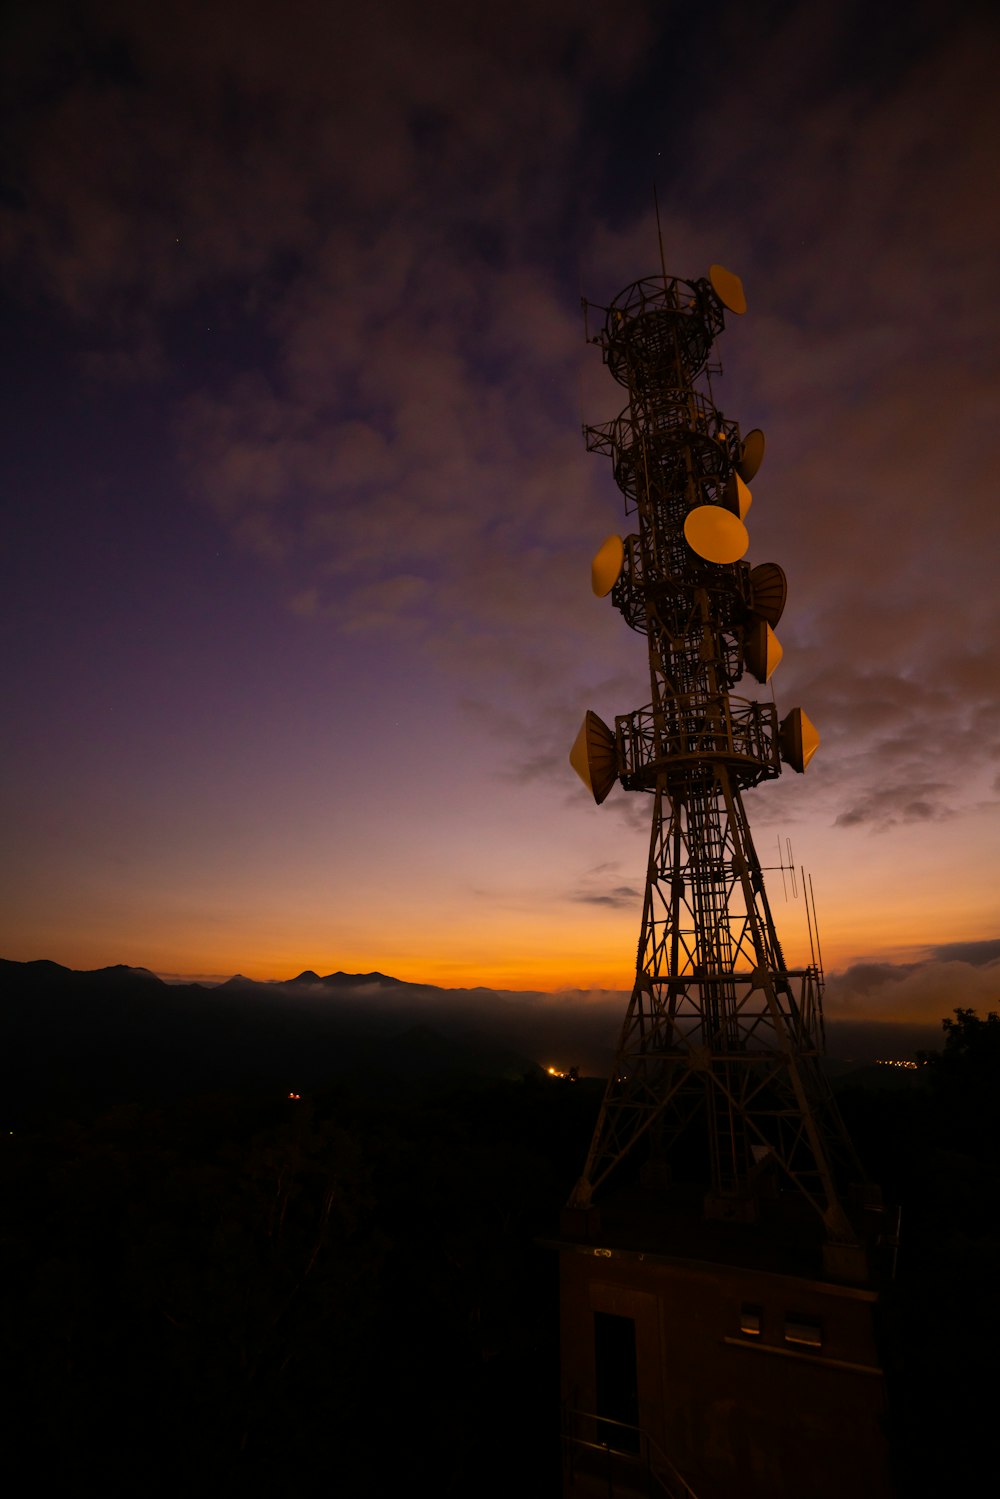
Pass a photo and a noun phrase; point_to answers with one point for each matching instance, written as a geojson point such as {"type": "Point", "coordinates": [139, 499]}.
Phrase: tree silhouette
{"type": "Point", "coordinates": [963, 1081]}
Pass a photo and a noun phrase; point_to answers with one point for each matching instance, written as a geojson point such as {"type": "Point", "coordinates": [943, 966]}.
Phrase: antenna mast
{"type": "Point", "coordinates": [714, 1328]}
{"type": "Point", "coordinates": [719, 1029]}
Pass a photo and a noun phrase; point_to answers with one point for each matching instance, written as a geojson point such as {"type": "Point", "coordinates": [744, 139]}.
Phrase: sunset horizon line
{"type": "Point", "coordinates": [498, 977]}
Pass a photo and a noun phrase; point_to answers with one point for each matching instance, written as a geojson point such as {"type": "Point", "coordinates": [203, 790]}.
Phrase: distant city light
{"type": "Point", "coordinates": [892, 1062]}
{"type": "Point", "coordinates": [295, 1095]}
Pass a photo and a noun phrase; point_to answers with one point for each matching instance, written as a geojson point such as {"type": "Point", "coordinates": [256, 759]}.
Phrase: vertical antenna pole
{"type": "Point", "coordinates": [819, 953]}
{"type": "Point", "coordinates": [659, 234]}
{"type": "Point", "coordinates": [805, 899]}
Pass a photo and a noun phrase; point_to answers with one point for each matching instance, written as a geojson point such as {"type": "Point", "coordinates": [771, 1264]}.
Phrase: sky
{"type": "Point", "coordinates": [297, 628]}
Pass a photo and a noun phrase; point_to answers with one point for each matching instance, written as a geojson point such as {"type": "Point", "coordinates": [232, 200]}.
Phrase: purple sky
{"type": "Point", "coordinates": [297, 626]}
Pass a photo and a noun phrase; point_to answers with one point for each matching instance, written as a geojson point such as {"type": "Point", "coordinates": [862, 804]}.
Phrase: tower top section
{"type": "Point", "coordinates": [662, 323]}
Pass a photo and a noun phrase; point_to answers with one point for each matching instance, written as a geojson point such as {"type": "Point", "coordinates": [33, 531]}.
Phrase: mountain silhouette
{"type": "Point", "coordinates": [119, 1032]}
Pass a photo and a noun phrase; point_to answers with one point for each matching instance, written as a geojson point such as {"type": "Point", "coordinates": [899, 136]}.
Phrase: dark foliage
{"type": "Point", "coordinates": [933, 1144]}
{"type": "Point", "coordinates": [963, 1080]}
{"type": "Point", "coordinates": [122, 1035]}
{"type": "Point", "coordinates": [255, 1293]}
{"type": "Point", "coordinates": [239, 1291]}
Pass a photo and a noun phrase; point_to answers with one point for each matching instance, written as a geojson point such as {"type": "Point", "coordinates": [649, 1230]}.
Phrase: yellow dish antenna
{"type": "Point", "coordinates": [768, 591]}
{"type": "Point", "coordinates": [606, 568]}
{"type": "Point", "coordinates": [728, 288]}
{"type": "Point", "coordinates": [761, 650]}
{"type": "Point", "coordinates": [798, 739]}
{"type": "Point", "coordinates": [738, 497]}
{"type": "Point", "coordinates": [594, 756]}
{"type": "Point", "coordinates": [716, 534]}
{"type": "Point", "coordinates": [751, 454]}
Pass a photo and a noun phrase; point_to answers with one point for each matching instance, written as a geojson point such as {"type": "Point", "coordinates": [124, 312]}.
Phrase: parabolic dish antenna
{"type": "Point", "coordinates": [605, 570]}
{"type": "Point", "coordinates": [738, 497]}
{"type": "Point", "coordinates": [594, 756]}
{"type": "Point", "coordinates": [798, 739]}
{"type": "Point", "coordinates": [761, 650]}
{"type": "Point", "coordinates": [768, 591]}
{"type": "Point", "coordinates": [751, 454]}
{"type": "Point", "coordinates": [728, 288]}
{"type": "Point", "coordinates": [716, 534]}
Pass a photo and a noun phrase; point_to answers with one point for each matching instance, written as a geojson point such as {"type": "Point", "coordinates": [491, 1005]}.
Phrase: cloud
{"type": "Point", "coordinates": [619, 896]}
{"type": "Point", "coordinates": [165, 158]}
{"type": "Point", "coordinates": [917, 992]}
{"type": "Point", "coordinates": [569, 1028]}
{"type": "Point", "coordinates": [890, 805]}
{"type": "Point", "coordinates": [976, 953]}
{"type": "Point", "coordinates": [395, 431]}
{"type": "Point", "coordinates": [872, 1010]}
{"type": "Point", "coordinates": [603, 883]}
{"type": "Point", "coordinates": [400, 441]}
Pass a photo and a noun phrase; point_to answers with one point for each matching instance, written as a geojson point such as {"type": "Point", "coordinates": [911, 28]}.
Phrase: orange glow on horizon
{"type": "Point", "coordinates": [550, 974]}
{"type": "Point", "coordinates": [556, 945]}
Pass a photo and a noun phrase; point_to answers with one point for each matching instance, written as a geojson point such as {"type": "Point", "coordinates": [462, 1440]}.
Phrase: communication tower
{"type": "Point", "coordinates": [718, 1142]}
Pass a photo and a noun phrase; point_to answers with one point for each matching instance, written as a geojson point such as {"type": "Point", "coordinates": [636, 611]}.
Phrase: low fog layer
{"type": "Point", "coordinates": [123, 1031]}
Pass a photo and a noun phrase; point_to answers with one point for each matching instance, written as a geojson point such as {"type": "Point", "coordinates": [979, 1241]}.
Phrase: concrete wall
{"type": "Point", "coordinates": [738, 1414]}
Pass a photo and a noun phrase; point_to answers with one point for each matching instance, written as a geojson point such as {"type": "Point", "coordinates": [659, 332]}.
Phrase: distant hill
{"type": "Point", "coordinates": [119, 1032]}
{"type": "Point", "coordinates": [338, 980]}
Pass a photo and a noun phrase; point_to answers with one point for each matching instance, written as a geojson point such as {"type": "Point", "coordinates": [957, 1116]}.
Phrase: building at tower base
{"type": "Point", "coordinates": [713, 1359]}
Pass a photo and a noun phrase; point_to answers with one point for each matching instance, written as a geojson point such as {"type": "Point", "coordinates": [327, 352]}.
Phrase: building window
{"type": "Point", "coordinates": [803, 1332]}
{"type": "Point", "coordinates": [751, 1320]}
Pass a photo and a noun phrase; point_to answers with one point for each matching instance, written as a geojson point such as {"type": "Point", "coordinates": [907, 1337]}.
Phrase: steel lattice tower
{"type": "Point", "coordinates": [720, 1034]}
